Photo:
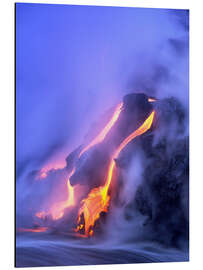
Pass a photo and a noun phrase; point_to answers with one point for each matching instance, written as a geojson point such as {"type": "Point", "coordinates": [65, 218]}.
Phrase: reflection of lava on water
{"type": "Point", "coordinates": [35, 230]}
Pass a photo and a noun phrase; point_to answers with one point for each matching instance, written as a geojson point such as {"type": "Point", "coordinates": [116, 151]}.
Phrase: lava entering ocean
{"type": "Point", "coordinates": [57, 210]}
{"type": "Point", "coordinates": [98, 199]}
{"type": "Point", "coordinates": [94, 191]}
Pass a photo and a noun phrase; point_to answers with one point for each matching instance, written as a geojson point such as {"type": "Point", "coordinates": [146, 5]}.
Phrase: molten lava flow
{"type": "Point", "coordinates": [98, 199]}
{"type": "Point", "coordinates": [100, 137]}
{"type": "Point", "coordinates": [96, 202]}
{"type": "Point", "coordinates": [50, 167]}
{"type": "Point", "coordinates": [57, 210]}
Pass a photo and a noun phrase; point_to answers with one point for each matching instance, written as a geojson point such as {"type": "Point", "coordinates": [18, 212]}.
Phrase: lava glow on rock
{"type": "Point", "coordinates": [57, 210]}
{"type": "Point", "coordinates": [98, 199]}
{"type": "Point", "coordinates": [101, 136]}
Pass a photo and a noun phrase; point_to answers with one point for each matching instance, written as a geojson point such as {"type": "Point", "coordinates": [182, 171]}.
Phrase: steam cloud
{"type": "Point", "coordinates": [69, 73]}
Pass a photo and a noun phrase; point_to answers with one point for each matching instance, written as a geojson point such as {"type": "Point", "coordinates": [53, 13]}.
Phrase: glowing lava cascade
{"type": "Point", "coordinates": [101, 136]}
{"type": "Point", "coordinates": [98, 199]}
{"type": "Point", "coordinates": [57, 210]}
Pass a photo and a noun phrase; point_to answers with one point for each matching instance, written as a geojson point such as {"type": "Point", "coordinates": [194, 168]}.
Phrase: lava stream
{"type": "Point", "coordinates": [101, 136]}
{"type": "Point", "coordinates": [57, 210]}
{"type": "Point", "coordinates": [98, 199]}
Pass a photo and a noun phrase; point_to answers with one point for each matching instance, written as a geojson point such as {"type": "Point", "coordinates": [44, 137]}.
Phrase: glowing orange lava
{"type": "Point", "coordinates": [101, 136]}
{"type": "Point", "coordinates": [57, 210]}
{"type": "Point", "coordinates": [52, 166]}
{"type": "Point", "coordinates": [98, 199]}
{"type": "Point", "coordinates": [39, 229]}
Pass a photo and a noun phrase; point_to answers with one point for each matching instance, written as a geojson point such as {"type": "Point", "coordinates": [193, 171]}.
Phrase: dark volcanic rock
{"type": "Point", "coordinates": [92, 166]}
{"type": "Point", "coordinates": [138, 102]}
{"type": "Point", "coordinates": [163, 195]}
